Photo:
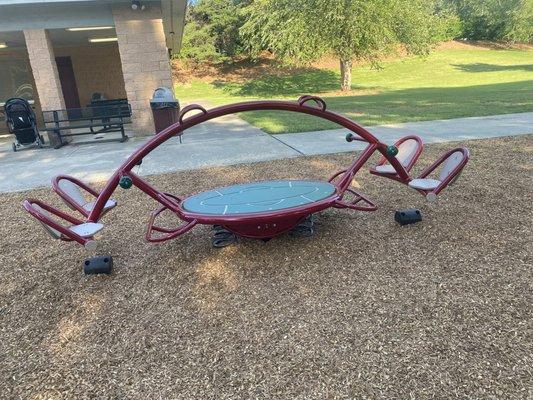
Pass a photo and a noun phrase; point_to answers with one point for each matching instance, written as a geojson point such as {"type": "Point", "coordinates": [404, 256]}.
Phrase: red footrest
{"type": "Point", "coordinates": [167, 233]}
{"type": "Point", "coordinates": [353, 204]}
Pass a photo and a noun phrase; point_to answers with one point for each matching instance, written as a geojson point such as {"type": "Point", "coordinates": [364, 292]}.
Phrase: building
{"type": "Point", "coordinates": [57, 53]}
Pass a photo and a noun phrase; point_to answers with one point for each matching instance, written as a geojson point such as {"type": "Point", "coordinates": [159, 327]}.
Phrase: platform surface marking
{"type": "Point", "coordinates": [258, 197]}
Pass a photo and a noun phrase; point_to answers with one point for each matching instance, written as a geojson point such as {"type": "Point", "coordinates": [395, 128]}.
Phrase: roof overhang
{"type": "Point", "coordinates": [173, 13]}
{"type": "Point", "coordinates": [17, 15]}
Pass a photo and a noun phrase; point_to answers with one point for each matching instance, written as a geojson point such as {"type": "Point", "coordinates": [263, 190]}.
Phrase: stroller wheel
{"type": "Point", "coordinates": [14, 147]}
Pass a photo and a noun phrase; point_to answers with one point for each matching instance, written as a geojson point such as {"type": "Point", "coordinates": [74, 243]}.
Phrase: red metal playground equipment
{"type": "Point", "coordinates": [256, 210]}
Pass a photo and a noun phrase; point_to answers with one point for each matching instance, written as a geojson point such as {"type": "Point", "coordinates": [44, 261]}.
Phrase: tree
{"type": "Point", "coordinates": [450, 25]}
{"type": "Point", "coordinates": [300, 31]}
{"type": "Point", "coordinates": [521, 27]}
{"type": "Point", "coordinates": [509, 20]}
{"type": "Point", "coordinates": [198, 45]}
{"type": "Point", "coordinates": [212, 30]}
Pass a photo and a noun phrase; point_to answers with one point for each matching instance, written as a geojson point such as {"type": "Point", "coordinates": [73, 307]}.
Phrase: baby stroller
{"type": "Point", "coordinates": [21, 122]}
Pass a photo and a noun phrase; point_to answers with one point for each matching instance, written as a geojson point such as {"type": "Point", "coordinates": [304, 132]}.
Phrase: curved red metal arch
{"type": "Point", "coordinates": [263, 224]}
{"type": "Point", "coordinates": [299, 107]}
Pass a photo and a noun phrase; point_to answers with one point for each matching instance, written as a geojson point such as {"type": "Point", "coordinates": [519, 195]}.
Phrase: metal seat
{"type": "Point", "coordinates": [87, 229]}
{"type": "Point", "coordinates": [71, 191]}
{"type": "Point", "coordinates": [78, 231]}
{"type": "Point", "coordinates": [109, 204]}
{"type": "Point", "coordinates": [452, 162]}
{"type": "Point", "coordinates": [424, 184]}
{"type": "Point", "coordinates": [409, 149]}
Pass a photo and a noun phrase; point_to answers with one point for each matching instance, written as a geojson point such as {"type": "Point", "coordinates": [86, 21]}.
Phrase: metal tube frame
{"type": "Point", "coordinates": [454, 174]}
{"type": "Point", "coordinates": [411, 163]}
{"type": "Point", "coordinates": [73, 204]}
{"type": "Point", "coordinates": [341, 180]}
{"type": "Point", "coordinates": [67, 235]}
{"type": "Point", "coordinates": [205, 115]}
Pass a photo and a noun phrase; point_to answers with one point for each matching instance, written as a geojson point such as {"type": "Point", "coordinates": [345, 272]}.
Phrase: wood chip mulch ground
{"type": "Point", "coordinates": [364, 309]}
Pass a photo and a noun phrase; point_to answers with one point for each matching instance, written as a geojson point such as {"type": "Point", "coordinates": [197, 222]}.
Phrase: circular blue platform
{"type": "Point", "coordinates": [258, 197]}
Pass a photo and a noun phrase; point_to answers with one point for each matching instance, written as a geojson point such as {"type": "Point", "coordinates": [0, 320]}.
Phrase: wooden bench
{"type": "Point", "coordinates": [107, 116]}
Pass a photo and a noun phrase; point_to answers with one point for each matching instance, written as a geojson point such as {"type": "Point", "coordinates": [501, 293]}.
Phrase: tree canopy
{"type": "Point", "coordinates": [505, 20]}
{"type": "Point", "coordinates": [212, 30]}
{"type": "Point", "coordinates": [300, 31]}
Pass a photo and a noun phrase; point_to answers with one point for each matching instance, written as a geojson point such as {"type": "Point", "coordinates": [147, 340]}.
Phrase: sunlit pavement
{"type": "Point", "coordinates": [450, 130]}
{"type": "Point", "coordinates": [225, 141]}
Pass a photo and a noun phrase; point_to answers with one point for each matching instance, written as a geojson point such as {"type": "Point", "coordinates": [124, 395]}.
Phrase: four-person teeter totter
{"type": "Point", "coordinates": [258, 209]}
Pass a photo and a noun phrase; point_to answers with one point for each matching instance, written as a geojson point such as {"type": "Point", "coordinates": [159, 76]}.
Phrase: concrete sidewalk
{"type": "Point", "coordinates": [449, 130]}
{"type": "Point", "coordinates": [224, 141]}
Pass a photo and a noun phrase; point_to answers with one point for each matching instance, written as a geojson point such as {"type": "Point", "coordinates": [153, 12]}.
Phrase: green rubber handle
{"type": "Point", "coordinates": [125, 182]}
{"type": "Point", "coordinates": [392, 150]}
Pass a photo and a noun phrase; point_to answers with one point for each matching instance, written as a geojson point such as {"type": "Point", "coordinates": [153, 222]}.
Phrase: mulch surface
{"type": "Point", "coordinates": [364, 309]}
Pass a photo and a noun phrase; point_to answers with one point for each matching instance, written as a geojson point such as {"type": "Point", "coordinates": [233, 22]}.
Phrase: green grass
{"type": "Point", "coordinates": [447, 84]}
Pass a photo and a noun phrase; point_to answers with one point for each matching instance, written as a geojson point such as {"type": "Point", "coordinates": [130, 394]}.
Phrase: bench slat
{"type": "Point", "coordinates": [110, 115]}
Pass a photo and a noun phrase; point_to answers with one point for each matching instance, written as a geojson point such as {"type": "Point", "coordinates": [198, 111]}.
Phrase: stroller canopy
{"type": "Point", "coordinates": [19, 113]}
{"type": "Point", "coordinates": [21, 122]}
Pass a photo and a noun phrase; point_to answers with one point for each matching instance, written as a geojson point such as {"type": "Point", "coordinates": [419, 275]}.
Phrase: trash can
{"type": "Point", "coordinates": [165, 108]}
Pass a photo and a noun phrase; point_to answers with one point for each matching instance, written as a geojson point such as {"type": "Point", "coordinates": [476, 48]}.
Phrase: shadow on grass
{"type": "Point", "coordinates": [483, 67]}
{"type": "Point", "coordinates": [421, 104]}
{"type": "Point", "coordinates": [284, 84]}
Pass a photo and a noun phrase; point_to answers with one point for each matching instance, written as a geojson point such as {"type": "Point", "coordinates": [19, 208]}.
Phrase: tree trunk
{"type": "Point", "coordinates": [346, 75]}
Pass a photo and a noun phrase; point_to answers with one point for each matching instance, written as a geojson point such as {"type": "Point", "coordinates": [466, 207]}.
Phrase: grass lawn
{"type": "Point", "coordinates": [452, 82]}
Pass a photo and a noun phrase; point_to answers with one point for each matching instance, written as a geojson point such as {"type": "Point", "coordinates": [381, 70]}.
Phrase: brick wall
{"type": "Point", "coordinates": [97, 69]}
{"type": "Point", "coordinates": [145, 61]}
{"type": "Point", "coordinates": [44, 69]}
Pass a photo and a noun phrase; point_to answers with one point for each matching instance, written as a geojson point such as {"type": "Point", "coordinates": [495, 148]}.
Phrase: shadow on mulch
{"type": "Point", "coordinates": [364, 309]}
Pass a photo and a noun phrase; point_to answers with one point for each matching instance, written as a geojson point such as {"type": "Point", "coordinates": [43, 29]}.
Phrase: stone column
{"type": "Point", "coordinates": [44, 68]}
{"type": "Point", "coordinates": [145, 60]}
